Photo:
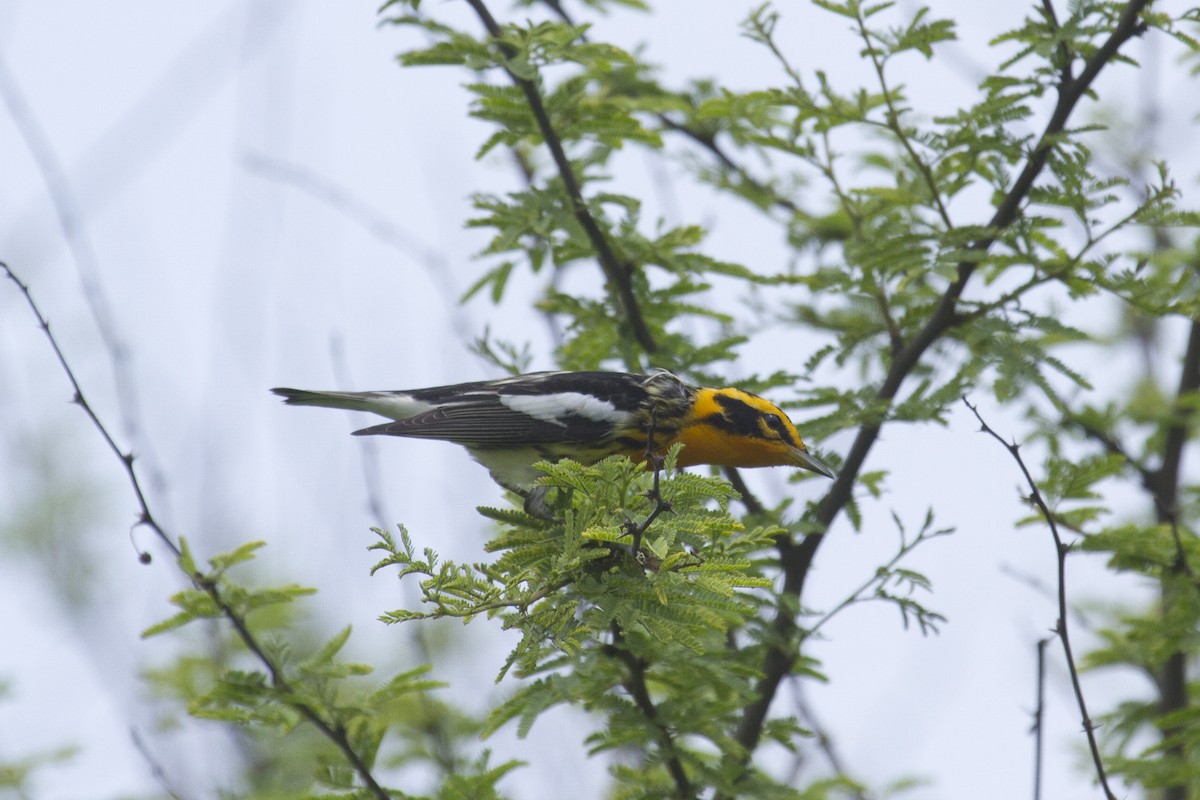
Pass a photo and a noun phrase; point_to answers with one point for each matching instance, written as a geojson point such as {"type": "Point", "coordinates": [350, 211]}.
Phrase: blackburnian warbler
{"type": "Point", "coordinates": [509, 424]}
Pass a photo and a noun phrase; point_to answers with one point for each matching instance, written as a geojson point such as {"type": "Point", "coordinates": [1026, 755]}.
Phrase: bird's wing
{"type": "Point", "coordinates": [492, 419]}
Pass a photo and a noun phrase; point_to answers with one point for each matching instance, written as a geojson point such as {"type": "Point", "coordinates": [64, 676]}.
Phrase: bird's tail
{"type": "Point", "coordinates": [354, 401]}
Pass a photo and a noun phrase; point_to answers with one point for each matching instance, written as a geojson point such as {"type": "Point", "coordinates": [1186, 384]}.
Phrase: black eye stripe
{"type": "Point", "coordinates": [738, 416]}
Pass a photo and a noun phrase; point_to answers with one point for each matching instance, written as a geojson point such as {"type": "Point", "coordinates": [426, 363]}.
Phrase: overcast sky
{"type": "Point", "coordinates": [257, 195]}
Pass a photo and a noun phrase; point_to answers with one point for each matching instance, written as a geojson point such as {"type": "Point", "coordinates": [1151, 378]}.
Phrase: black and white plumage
{"type": "Point", "coordinates": [510, 423]}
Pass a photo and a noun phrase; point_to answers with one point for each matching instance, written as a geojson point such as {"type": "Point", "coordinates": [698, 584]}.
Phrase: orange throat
{"type": "Point", "coordinates": [704, 444]}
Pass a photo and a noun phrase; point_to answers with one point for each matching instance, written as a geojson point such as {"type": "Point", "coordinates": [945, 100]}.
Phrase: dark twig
{"type": "Point", "coordinates": [892, 121]}
{"type": "Point", "coordinates": [1163, 485]}
{"type": "Point", "coordinates": [1039, 718]}
{"type": "Point", "coordinates": [635, 680]}
{"type": "Point", "coordinates": [145, 517]}
{"type": "Point", "coordinates": [635, 684]}
{"type": "Point", "coordinates": [796, 559]}
{"type": "Point", "coordinates": [1067, 67]}
{"type": "Point", "coordinates": [1061, 627]}
{"type": "Point", "coordinates": [334, 731]}
{"type": "Point", "coordinates": [661, 504]}
{"type": "Point", "coordinates": [1046, 592]}
{"type": "Point", "coordinates": [617, 271]}
{"type": "Point", "coordinates": [1166, 481]}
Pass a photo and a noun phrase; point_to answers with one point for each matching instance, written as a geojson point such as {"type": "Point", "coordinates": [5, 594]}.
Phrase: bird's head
{"type": "Point", "coordinates": [732, 428]}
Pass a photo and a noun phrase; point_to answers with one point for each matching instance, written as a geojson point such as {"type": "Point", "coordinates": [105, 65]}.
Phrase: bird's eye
{"type": "Point", "coordinates": [774, 422]}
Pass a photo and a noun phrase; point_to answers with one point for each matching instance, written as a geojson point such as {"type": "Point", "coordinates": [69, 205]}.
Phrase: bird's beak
{"type": "Point", "coordinates": [807, 460]}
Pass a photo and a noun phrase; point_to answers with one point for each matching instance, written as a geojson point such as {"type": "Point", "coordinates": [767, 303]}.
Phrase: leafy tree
{"type": "Point", "coordinates": [932, 258]}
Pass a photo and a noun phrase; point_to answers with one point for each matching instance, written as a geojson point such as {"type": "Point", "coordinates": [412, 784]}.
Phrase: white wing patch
{"type": "Point", "coordinates": [553, 407]}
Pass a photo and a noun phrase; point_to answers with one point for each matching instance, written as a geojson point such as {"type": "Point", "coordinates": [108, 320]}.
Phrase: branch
{"type": "Point", "coordinates": [334, 731]}
{"type": "Point", "coordinates": [146, 517]}
{"type": "Point", "coordinates": [709, 142]}
{"type": "Point", "coordinates": [1065, 54]}
{"type": "Point", "coordinates": [1173, 680]}
{"type": "Point", "coordinates": [796, 559]}
{"type": "Point", "coordinates": [752, 503]}
{"type": "Point", "coordinates": [636, 530]}
{"type": "Point", "coordinates": [635, 684]}
{"type": "Point", "coordinates": [617, 271]}
{"type": "Point", "coordinates": [1039, 717]}
{"type": "Point", "coordinates": [369, 450]}
{"type": "Point", "coordinates": [1060, 628]}
{"type": "Point", "coordinates": [1166, 484]}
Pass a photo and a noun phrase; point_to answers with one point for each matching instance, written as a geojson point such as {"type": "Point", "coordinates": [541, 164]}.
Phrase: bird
{"type": "Point", "coordinates": [509, 424]}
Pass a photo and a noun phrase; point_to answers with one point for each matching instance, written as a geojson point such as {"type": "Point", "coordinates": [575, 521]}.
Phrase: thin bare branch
{"type": "Point", "coordinates": [126, 458]}
{"type": "Point", "coordinates": [1039, 719]}
{"type": "Point", "coordinates": [369, 449]}
{"type": "Point", "coordinates": [334, 731]}
{"type": "Point", "coordinates": [1061, 627]}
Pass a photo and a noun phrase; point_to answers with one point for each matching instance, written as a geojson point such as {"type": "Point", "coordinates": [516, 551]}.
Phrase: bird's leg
{"type": "Point", "coordinates": [636, 530]}
{"type": "Point", "coordinates": [536, 505]}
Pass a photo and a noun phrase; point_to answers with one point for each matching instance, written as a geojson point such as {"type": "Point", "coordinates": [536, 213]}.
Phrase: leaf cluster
{"type": "Point", "coordinates": [337, 728]}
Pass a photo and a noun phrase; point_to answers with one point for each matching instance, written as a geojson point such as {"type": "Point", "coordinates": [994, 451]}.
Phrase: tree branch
{"type": "Point", "coordinates": [617, 271]}
{"type": "Point", "coordinates": [1039, 719]}
{"type": "Point", "coordinates": [635, 684]}
{"type": "Point", "coordinates": [334, 731]}
{"type": "Point", "coordinates": [1166, 483]}
{"type": "Point", "coordinates": [1174, 695]}
{"type": "Point", "coordinates": [796, 559]}
{"type": "Point", "coordinates": [1062, 550]}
